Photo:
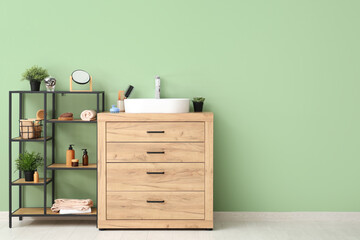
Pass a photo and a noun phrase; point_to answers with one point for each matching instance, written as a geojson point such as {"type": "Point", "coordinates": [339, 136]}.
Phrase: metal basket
{"type": "Point", "coordinates": [30, 128]}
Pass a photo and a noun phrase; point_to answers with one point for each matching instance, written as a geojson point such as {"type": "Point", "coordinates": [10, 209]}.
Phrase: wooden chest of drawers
{"type": "Point", "coordinates": [155, 171]}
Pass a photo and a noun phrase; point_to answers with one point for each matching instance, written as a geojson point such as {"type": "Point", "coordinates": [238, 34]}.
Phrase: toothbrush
{"type": "Point", "coordinates": [121, 95]}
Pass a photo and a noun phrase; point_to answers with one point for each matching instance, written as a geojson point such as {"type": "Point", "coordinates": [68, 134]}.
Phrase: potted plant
{"type": "Point", "coordinates": [198, 104]}
{"type": "Point", "coordinates": [35, 75]}
{"type": "Point", "coordinates": [28, 163]}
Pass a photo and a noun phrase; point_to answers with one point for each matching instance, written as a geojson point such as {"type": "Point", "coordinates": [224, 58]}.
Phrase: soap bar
{"type": "Point", "coordinates": [66, 116]}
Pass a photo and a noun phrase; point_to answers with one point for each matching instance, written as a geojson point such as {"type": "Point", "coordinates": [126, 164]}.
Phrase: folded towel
{"type": "Point", "coordinates": [70, 211]}
{"type": "Point", "coordinates": [72, 204]}
{"type": "Point", "coordinates": [57, 207]}
{"type": "Point", "coordinates": [86, 202]}
{"type": "Point", "coordinates": [88, 115]}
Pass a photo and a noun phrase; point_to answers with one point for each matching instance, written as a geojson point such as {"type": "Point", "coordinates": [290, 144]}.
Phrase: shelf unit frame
{"type": "Point", "coordinates": [44, 140]}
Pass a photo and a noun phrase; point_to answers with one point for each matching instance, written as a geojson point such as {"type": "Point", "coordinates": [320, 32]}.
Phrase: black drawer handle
{"type": "Point", "coordinates": [155, 131]}
{"type": "Point", "coordinates": [148, 201]}
{"type": "Point", "coordinates": [155, 172]}
{"type": "Point", "coordinates": [155, 152]}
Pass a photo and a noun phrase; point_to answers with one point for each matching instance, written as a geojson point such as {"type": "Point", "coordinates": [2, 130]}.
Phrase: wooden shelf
{"type": "Point", "coordinates": [69, 121]}
{"type": "Point", "coordinates": [19, 139]}
{"type": "Point", "coordinates": [21, 181]}
{"type": "Point", "coordinates": [62, 166]}
{"type": "Point", "coordinates": [40, 212]}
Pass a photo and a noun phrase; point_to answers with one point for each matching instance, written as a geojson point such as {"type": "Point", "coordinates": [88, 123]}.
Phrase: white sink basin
{"type": "Point", "coordinates": [152, 105]}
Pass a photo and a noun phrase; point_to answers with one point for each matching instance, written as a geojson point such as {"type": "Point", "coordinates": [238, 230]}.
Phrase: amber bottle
{"type": "Point", "coordinates": [85, 158]}
{"type": "Point", "coordinates": [36, 177]}
{"type": "Point", "coordinates": [70, 155]}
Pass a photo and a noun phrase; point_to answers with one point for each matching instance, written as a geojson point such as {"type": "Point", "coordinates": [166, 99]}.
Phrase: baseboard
{"type": "Point", "coordinates": [245, 216]}
{"type": "Point", "coordinates": [287, 216]}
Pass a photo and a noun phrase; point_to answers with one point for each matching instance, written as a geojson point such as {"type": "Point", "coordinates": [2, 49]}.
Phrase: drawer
{"type": "Point", "coordinates": [155, 131]}
{"type": "Point", "coordinates": [155, 152]}
{"type": "Point", "coordinates": [155, 176]}
{"type": "Point", "coordinates": [155, 205]}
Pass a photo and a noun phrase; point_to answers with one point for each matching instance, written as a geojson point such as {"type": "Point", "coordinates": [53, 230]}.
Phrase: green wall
{"type": "Point", "coordinates": [281, 76]}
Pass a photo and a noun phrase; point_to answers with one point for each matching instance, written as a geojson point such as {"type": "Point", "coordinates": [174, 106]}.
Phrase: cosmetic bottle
{"type": "Point", "coordinates": [36, 177]}
{"type": "Point", "coordinates": [70, 155]}
{"type": "Point", "coordinates": [75, 162]}
{"type": "Point", "coordinates": [85, 158]}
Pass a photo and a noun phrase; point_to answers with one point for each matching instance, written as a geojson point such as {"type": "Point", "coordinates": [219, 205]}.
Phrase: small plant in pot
{"type": "Point", "coordinates": [35, 75]}
{"type": "Point", "coordinates": [28, 163]}
{"type": "Point", "coordinates": [198, 104]}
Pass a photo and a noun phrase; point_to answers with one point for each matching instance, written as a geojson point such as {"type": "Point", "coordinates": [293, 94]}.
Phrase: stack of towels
{"type": "Point", "coordinates": [72, 206]}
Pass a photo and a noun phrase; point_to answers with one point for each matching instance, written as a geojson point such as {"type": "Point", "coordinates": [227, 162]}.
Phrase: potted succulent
{"type": "Point", "coordinates": [28, 163]}
{"type": "Point", "coordinates": [35, 75]}
{"type": "Point", "coordinates": [198, 104]}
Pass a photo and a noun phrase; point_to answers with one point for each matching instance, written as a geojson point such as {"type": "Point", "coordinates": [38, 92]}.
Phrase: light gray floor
{"type": "Point", "coordinates": [256, 230]}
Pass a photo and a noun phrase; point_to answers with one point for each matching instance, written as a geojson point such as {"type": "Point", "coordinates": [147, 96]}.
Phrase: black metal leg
{"type": "Point", "coordinates": [10, 188]}
{"type": "Point", "coordinates": [45, 136]}
{"type": "Point", "coordinates": [53, 148]}
{"type": "Point", "coordinates": [20, 149]}
{"type": "Point", "coordinates": [97, 103]}
{"type": "Point", "coordinates": [103, 102]}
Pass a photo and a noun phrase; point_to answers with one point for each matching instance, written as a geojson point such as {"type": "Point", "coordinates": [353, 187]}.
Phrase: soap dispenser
{"type": "Point", "coordinates": [85, 158]}
{"type": "Point", "coordinates": [157, 87]}
{"type": "Point", "coordinates": [70, 155]}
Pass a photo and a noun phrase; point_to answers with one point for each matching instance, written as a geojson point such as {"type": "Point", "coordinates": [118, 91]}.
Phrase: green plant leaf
{"type": "Point", "coordinates": [198, 99]}
{"type": "Point", "coordinates": [35, 73]}
{"type": "Point", "coordinates": [28, 161]}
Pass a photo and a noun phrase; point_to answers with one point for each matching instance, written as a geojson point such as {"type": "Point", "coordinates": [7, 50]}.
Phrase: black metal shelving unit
{"type": "Point", "coordinates": [44, 211]}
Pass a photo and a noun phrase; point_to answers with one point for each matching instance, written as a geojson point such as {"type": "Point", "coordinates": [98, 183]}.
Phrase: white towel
{"type": "Point", "coordinates": [72, 211]}
{"type": "Point", "coordinates": [88, 115]}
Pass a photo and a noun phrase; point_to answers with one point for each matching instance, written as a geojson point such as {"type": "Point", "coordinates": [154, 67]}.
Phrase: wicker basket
{"type": "Point", "coordinates": [30, 128]}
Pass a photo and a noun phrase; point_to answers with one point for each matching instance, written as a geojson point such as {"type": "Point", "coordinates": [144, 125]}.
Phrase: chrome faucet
{"type": "Point", "coordinates": [157, 87]}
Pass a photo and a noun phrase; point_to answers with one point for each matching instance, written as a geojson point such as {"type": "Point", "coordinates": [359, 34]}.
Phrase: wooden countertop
{"type": "Point", "coordinates": [192, 116]}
